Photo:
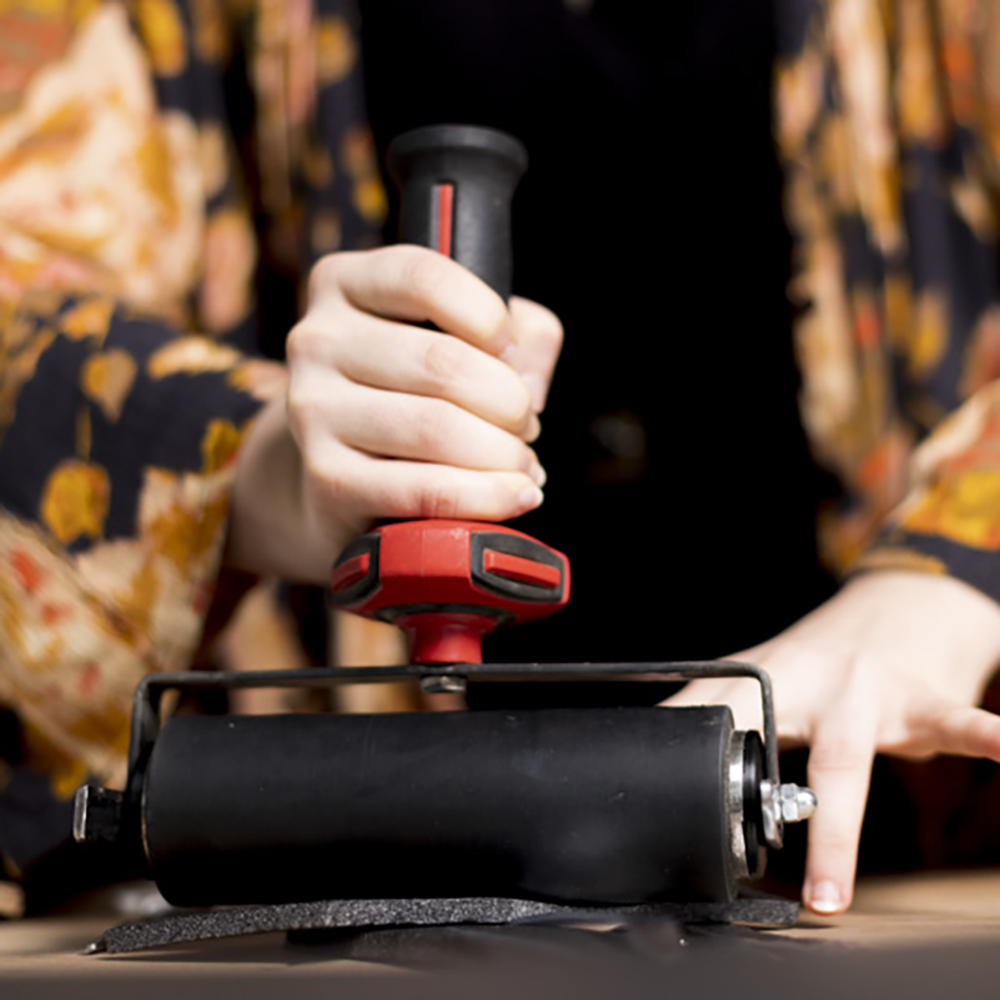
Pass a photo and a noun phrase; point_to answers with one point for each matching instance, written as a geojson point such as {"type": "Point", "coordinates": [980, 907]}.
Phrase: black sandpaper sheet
{"type": "Point", "coordinates": [180, 927]}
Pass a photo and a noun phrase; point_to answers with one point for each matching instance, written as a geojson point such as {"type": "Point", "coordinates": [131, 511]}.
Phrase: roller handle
{"type": "Point", "coordinates": [456, 183]}
{"type": "Point", "coordinates": [449, 583]}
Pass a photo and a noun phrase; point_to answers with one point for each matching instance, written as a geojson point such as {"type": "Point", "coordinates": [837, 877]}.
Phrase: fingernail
{"type": "Point", "coordinates": [531, 497]}
{"type": "Point", "coordinates": [824, 897]}
{"type": "Point", "coordinates": [536, 390]}
{"type": "Point", "coordinates": [509, 353]}
{"type": "Point", "coordinates": [537, 473]}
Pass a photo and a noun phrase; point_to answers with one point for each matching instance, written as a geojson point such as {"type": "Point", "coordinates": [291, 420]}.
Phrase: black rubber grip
{"type": "Point", "coordinates": [601, 805]}
{"type": "Point", "coordinates": [482, 167]}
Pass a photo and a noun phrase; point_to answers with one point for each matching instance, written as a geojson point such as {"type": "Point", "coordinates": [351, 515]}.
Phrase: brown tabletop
{"type": "Point", "coordinates": [932, 919]}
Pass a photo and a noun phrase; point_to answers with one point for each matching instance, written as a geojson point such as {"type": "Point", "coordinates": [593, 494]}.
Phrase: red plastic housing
{"type": "Point", "coordinates": [449, 583]}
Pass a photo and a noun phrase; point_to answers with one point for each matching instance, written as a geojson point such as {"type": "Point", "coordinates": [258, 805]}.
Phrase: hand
{"type": "Point", "coordinates": [893, 663]}
{"type": "Point", "coordinates": [389, 419]}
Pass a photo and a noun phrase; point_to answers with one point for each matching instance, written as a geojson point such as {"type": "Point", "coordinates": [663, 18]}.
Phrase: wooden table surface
{"type": "Point", "coordinates": [940, 913]}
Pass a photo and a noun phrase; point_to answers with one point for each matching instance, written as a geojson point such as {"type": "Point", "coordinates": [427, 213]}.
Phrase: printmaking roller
{"type": "Point", "coordinates": [616, 806]}
{"type": "Point", "coordinates": [606, 806]}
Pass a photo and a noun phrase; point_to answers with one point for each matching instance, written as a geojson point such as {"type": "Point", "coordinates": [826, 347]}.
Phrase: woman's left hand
{"type": "Point", "coordinates": [894, 663]}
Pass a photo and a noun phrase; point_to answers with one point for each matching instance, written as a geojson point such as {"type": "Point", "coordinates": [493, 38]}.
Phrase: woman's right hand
{"type": "Point", "coordinates": [388, 418]}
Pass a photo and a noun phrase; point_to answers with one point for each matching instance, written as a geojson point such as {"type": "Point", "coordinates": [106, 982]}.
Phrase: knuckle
{"type": "Point", "coordinates": [437, 499]}
{"type": "Point", "coordinates": [299, 340]}
{"type": "Point", "coordinates": [424, 271]}
{"type": "Point", "coordinates": [444, 363]}
{"type": "Point", "coordinates": [838, 754]}
{"type": "Point", "coordinates": [310, 340]}
{"type": "Point", "coordinates": [796, 657]}
{"type": "Point", "coordinates": [435, 427]}
{"type": "Point", "coordinates": [314, 417]}
{"type": "Point", "coordinates": [326, 274]}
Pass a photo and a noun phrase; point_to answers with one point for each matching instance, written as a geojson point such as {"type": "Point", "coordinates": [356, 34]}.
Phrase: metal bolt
{"type": "Point", "coordinates": [442, 684]}
{"type": "Point", "coordinates": [797, 803]}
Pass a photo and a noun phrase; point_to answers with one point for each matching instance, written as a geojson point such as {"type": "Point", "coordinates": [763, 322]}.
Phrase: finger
{"type": "Point", "coordinates": [399, 425]}
{"type": "Point", "coordinates": [966, 732]}
{"type": "Point", "coordinates": [417, 285]}
{"type": "Point", "coordinates": [340, 480]}
{"type": "Point", "coordinates": [840, 763]}
{"type": "Point", "coordinates": [426, 363]}
{"type": "Point", "coordinates": [538, 337]}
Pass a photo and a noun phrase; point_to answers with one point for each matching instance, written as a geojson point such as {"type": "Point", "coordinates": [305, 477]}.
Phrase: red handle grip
{"type": "Point", "coordinates": [449, 583]}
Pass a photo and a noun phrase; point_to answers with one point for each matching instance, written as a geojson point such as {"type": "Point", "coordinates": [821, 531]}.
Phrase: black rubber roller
{"type": "Point", "coordinates": [602, 805]}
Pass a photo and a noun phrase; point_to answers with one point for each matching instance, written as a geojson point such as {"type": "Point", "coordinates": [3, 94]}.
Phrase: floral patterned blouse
{"type": "Point", "coordinates": [170, 168]}
{"type": "Point", "coordinates": [136, 199]}
{"type": "Point", "coordinates": [889, 125]}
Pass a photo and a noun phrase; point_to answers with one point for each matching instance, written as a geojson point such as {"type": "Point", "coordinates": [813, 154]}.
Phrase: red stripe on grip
{"type": "Point", "coordinates": [444, 208]}
{"type": "Point", "coordinates": [522, 570]}
{"type": "Point", "coordinates": [350, 572]}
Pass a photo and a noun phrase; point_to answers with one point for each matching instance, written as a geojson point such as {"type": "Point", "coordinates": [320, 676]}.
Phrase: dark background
{"type": "Point", "coordinates": [650, 221]}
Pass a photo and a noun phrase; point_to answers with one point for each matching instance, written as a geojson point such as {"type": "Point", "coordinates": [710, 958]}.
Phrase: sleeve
{"type": "Point", "coordinates": [119, 439]}
{"type": "Point", "coordinates": [890, 193]}
{"type": "Point", "coordinates": [123, 226]}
